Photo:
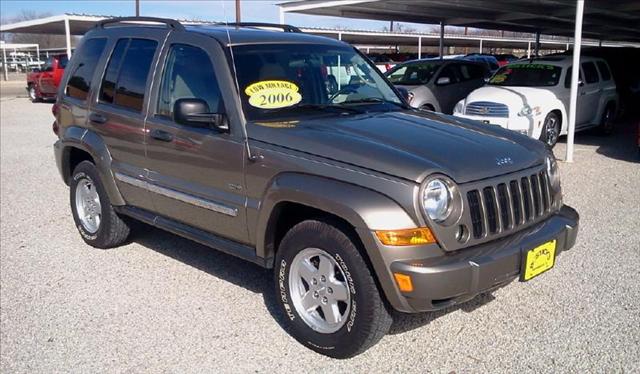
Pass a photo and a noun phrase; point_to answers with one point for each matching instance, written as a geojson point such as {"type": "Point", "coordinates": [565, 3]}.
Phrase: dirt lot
{"type": "Point", "coordinates": [165, 304]}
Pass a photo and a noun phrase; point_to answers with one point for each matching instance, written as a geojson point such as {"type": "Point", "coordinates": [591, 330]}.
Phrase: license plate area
{"type": "Point", "coordinates": [538, 260]}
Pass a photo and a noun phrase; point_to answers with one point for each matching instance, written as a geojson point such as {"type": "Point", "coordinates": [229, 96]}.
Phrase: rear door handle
{"type": "Point", "coordinates": [163, 136]}
{"type": "Point", "coordinates": [97, 118]}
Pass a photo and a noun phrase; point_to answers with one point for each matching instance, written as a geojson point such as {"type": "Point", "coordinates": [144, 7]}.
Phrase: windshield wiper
{"type": "Point", "coordinates": [371, 100]}
{"type": "Point", "coordinates": [320, 107]}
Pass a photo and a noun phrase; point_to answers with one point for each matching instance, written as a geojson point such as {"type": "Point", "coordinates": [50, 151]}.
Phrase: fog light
{"type": "Point", "coordinates": [404, 282]}
{"type": "Point", "coordinates": [422, 235]}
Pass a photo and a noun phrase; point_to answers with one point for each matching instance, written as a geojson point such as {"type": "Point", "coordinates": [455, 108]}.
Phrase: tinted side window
{"type": "Point", "coordinates": [188, 73]}
{"type": "Point", "coordinates": [590, 72]}
{"type": "Point", "coordinates": [476, 71]}
{"type": "Point", "coordinates": [84, 66]}
{"type": "Point", "coordinates": [451, 71]}
{"type": "Point", "coordinates": [108, 87]}
{"type": "Point", "coordinates": [567, 79]}
{"type": "Point", "coordinates": [604, 70]}
{"type": "Point", "coordinates": [132, 77]}
{"type": "Point", "coordinates": [62, 62]}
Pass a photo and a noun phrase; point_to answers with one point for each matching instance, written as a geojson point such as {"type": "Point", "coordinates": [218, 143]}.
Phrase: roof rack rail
{"type": "Point", "coordinates": [285, 28]}
{"type": "Point", "coordinates": [169, 22]}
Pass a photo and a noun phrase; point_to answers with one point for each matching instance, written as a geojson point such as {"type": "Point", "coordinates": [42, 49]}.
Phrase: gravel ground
{"type": "Point", "coordinates": [165, 304]}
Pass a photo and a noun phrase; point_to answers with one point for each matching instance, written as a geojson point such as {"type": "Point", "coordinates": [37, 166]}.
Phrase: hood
{"type": "Point", "coordinates": [407, 144]}
{"type": "Point", "coordinates": [514, 97]}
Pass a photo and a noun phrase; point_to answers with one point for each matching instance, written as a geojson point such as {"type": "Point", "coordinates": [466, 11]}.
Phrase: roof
{"type": "Point", "coordinates": [604, 19]}
{"type": "Point", "coordinates": [558, 60]}
{"type": "Point", "coordinates": [253, 35]}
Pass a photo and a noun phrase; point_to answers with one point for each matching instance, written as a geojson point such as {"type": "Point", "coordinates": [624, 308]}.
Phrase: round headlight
{"type": "Point", "coordinates": [437, 200]}
{"type": "Point", "coordinates": [552, 171]}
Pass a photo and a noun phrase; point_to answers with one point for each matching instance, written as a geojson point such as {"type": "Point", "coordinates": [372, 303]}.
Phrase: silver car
{"type": "Point", "coordinates": [437, 85]}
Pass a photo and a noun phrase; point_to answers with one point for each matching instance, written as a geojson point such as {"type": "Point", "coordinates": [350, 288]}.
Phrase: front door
{"type": "Point", "coordinates": [195, 173]}
{"type": "Point", "coordinates": [448, 93]}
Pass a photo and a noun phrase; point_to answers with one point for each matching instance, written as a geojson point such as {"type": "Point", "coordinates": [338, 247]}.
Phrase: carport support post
{"type": "Point", "coordinates": [419, 47]}
{"type": "Point", "coordinates": [480, 45]}
{"type": "Point", "coordinates": [537, 43]}
{"type": "Point", "coordinates": [38, 54]}
{"type": "Point", "coordinates": [529, 50]}
{"type": "Point", "coordinates": [67, 33]}
{"type": "Point", "coordinates": [577, 45]}
{"type": "Point", "coordinates": [441, 40]}
{"type": "Point", "coordinates": [4, 63]}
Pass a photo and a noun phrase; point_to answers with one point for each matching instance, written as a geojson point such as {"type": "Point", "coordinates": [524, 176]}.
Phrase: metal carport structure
{"type": "Point", "coordinates": [602, 20]}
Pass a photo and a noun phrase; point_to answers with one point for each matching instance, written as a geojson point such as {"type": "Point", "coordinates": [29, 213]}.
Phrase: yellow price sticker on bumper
{"type": "Point", "coordinates": [273, 94]}
{"type": "Point", "coordinates": [539, 259]}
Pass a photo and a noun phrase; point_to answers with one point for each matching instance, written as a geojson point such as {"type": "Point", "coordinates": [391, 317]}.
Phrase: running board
{"type": "Point", "coordinates": [227, 246]}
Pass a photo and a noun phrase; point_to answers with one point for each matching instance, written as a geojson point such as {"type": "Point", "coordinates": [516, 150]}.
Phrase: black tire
{"type": "Point", "coordinates": [33, 94]}
{"type": "Point", "coordinates": [112, 230]}
{"type": "Point", "coordinates": [606, 126]}
{"type": "Point", "coordinates": [551, 130]}
{"type": "Point", "coordinates": [367, 320]}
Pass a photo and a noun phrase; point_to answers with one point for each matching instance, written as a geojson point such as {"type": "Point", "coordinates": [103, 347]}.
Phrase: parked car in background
{"type": "Point", "coordinates": [532, 97]}
{"type": "Point", "coordinates": [435, 84]}
{"type": "Point", "coordinates": [505, 58]}
{"type": "Point", "coordinates": [382, 62]}
{"type": "Point", "coordinates": [43, 83]}
{"type": "Point", "coordinates": [488, 60]}
{"type": "Point", "coordinates": [358, 203]}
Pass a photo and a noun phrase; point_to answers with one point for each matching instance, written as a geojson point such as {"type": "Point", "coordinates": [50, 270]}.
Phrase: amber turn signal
{"type": "Point", "coordinates": [404, 282]}
{"type": "Point", "coordinates": [421, 235]}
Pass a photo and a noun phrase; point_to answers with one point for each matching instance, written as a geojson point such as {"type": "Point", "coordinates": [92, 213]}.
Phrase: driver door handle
{"type": "Point", "coordinates": [163, 136]}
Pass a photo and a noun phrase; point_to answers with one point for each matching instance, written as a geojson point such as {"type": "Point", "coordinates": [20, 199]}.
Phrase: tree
{"type": "Point", "coordinates": [43, 40]}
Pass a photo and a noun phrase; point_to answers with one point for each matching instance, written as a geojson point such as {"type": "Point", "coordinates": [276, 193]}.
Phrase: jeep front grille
{"type": "Point", "coordinates": [503, 207]}
{"type": "Point", "coordinates": [487, 108]}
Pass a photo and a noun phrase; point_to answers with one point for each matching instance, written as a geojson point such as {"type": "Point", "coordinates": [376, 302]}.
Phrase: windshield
{"type": "Point", "coordinates": [530, 75]}
{"type": "Point", "coordinates": [413, 74]}
{"type": "Point", "coordinates": [280, 81]}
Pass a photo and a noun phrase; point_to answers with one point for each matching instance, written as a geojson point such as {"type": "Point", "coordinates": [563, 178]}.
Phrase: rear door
{"type": "Point", "coordinates": [196, 173]}
{"type": "Point", "coordinates": [589, 94]}
{"type": "Point", "coordinates": [120, 107]}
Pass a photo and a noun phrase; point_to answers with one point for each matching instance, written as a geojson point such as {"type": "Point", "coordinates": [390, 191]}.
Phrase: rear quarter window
{"type": "Point", "coordinates": [84, 65]}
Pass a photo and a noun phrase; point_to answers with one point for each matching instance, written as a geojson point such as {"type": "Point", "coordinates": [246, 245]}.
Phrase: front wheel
{"type": "Point", "coordinates": [550, 130]}
{"type": "Point", "coordinates": [33, 94]}
{"type": "Point", "coordinates": [327, 292]}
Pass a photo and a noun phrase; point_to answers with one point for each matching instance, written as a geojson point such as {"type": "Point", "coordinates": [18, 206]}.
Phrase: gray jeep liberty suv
{"type": "Point", "coordinates": [293, 152]}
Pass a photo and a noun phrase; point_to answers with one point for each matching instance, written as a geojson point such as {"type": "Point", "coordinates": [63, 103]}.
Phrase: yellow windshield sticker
{"type": "Point", "coordinates": [273, 94]}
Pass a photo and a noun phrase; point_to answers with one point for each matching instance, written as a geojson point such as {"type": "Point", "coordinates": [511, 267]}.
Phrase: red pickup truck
{"type": "Point", "coordinates": [43, 83]}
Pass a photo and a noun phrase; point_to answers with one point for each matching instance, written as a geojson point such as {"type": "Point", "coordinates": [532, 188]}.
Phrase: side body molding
{"type": "Point", "coordinates": [90, 142]}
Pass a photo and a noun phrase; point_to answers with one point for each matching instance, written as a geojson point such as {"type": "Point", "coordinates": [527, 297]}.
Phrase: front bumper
{"type": "Point", "coordinates": [452, 278]}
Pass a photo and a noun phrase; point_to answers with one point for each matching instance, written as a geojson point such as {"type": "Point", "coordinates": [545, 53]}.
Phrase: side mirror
{"type": "Point", "coordinates": [443, 81]}
{"type": "Point", "coordinates": [580, 83]}
{"type": "Point", "coordinates": [195, 113]}
{"type": "Point", "coordinates": [406, 95]}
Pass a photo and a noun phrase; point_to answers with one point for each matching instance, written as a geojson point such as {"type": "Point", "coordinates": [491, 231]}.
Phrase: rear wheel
{"type": "Point", "coordinates": [606, 122]}
{"type": "Point", "coordinates": [327, 292]}
{"type": "Point", "coordinates": [428, 107]}
{"type": "Point", "coordinates": [97, 222]}
{"type": "Point", "coordinates": [550, 130]}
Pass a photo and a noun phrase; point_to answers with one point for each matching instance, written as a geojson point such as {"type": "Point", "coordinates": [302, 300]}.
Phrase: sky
{"type": "Point", "coordinates": [209, 10]}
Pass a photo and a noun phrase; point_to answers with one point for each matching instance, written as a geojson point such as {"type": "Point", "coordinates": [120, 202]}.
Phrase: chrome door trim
{"type": "Point", "coordinates": [177, 195]}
